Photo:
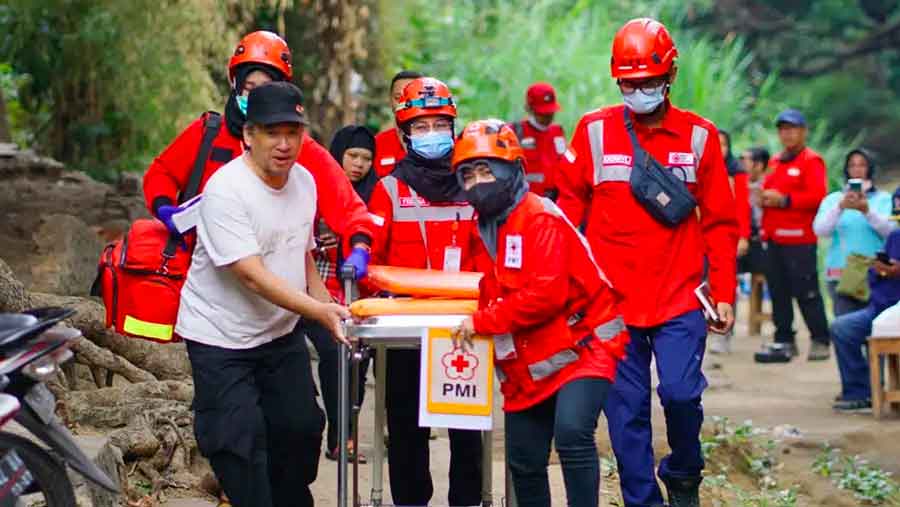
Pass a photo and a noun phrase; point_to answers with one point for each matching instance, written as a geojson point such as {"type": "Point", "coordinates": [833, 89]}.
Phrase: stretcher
{"type": "Point", "coordinates": [381, 324]}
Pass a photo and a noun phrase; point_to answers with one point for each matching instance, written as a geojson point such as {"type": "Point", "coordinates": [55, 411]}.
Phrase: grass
{"type": "Point", "coordinates": [868, 483]}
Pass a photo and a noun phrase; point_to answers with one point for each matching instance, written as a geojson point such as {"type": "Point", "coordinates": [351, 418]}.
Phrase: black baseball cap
{"type": "Point", "coordinates": [275, 102]}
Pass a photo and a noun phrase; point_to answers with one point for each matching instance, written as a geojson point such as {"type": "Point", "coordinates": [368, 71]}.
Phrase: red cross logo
{"type": "Point", "coordinates": [459, 364]}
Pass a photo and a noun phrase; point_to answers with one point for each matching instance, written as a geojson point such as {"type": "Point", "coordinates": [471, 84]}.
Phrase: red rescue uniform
{"type": "Point", "coordinates": [656, 267]}
{"type": "Point", "coordinates": [338, 203]}
{"type": "Point", "coordinates": [543, 150]}
{"type": "Point", "coordinates": [401, 216]}
{"type": "Point", "coordinates": [742, 204]}
{"type": "Point", "coordinates": [553, 313]}
{"type": "Point", "coordinates": [803, 180]}
{"type": "Point", "coordinates": [389, 150]}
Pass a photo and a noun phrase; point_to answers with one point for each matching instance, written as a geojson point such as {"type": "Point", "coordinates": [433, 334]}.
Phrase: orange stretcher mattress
{"type": "Point", "coordinates": [425, 282]}
{"type": "Point", "coordinates": [374, 307]}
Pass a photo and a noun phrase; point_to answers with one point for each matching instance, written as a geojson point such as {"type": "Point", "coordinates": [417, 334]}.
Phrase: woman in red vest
{"type": "Point", "coordinates": [557, 330]}
{"type": "Point", "coordinates": [423, 221]}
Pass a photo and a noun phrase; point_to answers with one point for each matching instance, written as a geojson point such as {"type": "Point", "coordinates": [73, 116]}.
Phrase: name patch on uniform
{"type": "Point", "coordinates": [411, 202]}
{"type": "Point", "coordinates": [614, 159]}
{"type": "Point", "coordinates": [560, 143]}
{"type": "Point", "coordinates": [793, 171]}
{"type": "Point", "coordinates": [570, 155]}
{"type": "Point", "coordinates": [379, 220]}
{"type": "Point", "coordinates": [528, 143]}
{"type": "Point", "coordinates": [513, 257]}
{"type": "Point", "coordinates": [677, 158]}
{"type": "Point", "coordinates": [387, 161]}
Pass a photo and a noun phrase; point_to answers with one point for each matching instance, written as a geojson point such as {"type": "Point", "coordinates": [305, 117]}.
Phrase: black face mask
{"type": "Point", "coordinates": [490, 199]}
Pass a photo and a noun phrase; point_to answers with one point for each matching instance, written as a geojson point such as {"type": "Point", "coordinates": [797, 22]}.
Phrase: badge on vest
{"type": "Point", "coordinates": [528, 143]}
{"type": "Point", "coordinates": [676, 158]}
{"type": "Point", "coordinates": [616, 159]}
{"type": "Point", "coordinates": [793, 171]}
{"type": "Point", "coordinates": [387, 161]}
{"type": "Point", "coordinates": [513, 257]}
{"type": "Point", "coordinates": [452, 259]}
{"type": "Point", "coordinates": [560, 143]}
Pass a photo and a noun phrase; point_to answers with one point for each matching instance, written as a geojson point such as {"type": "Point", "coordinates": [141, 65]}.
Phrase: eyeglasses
{"type": "Point", "coordinates": [424, 127]}
{"type": "Point", "coordinates": [646, 86]}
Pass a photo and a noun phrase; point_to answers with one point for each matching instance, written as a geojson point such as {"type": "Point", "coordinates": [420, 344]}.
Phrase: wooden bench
{"type": "Point", "coordinates": [756, 316]}
{"type": "Point", "coordinates": [889, 394]}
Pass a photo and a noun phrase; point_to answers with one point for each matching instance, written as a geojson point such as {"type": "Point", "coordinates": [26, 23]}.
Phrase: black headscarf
{"type": "Point", "coordinates": [510, 187]}
{"type": "Point", "coordinates": [430, 178]}
{"type": "Point", "coordinates": [356, 136]}
{"type": "Point", "coordinates": [234, 118]}
{"type": "Point", "coordinates": [870, 160]}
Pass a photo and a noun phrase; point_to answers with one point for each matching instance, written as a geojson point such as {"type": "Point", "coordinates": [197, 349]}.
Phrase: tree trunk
{"type": "Point", "coordinates": [5, 135]}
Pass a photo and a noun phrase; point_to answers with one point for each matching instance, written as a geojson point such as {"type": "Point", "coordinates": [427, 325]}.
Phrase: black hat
{"type": "Point", "coordinates": [275, 102]}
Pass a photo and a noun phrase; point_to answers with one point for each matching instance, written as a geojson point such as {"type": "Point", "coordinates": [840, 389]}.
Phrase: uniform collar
{"type": "Point", "coordinates": [670, 121]}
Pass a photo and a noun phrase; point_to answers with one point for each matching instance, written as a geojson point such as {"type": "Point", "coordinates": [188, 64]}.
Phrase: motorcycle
{"type": "Point", "coordinates": [32, 346]}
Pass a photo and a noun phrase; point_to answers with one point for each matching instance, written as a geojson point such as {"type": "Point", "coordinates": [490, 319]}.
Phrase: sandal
{"type": "Point", "coordinates": [333, 454]}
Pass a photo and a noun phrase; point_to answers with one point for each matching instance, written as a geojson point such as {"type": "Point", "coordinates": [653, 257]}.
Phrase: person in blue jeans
{"type": "Point", "coordinates": [856, 222]}
{"type": "Point", "coordinates": [850, 331]}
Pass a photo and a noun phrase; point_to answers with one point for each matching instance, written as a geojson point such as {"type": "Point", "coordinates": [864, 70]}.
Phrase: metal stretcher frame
{"type": "Point", "coordinates": [383, 333]}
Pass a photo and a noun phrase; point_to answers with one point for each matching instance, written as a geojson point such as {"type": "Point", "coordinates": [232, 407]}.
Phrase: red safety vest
{"type": "Point", "coordinates": [543, 149]}
{"type": "Point", "coordinates": [553, 314]}
{"type": "Point", "coordinates": [415, 233]}
{"type": "Point", "coordinates": [656, 267]}
{"type": "Point", "coordinates": [388, 151]}
{"type": "Point", "coordinates": [803, 179]}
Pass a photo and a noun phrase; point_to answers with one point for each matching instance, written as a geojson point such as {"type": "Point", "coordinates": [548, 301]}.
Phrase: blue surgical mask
{"type": "Point", "coordinates": [643, 103]}
{"type": "Point", "coordinates": [433, 145]}
{"type": "Point", "coordinates": [242, 104]}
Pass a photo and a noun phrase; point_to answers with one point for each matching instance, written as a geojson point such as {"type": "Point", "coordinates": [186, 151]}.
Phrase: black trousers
{"type": "Point", "coordinates": [257, 421]}
{"type": "Point", "coordinates": [329, 351]}
{"type": "Point", "coordinates": [408, 448]}
{"type": "Point", "coordinates": [792, 273]}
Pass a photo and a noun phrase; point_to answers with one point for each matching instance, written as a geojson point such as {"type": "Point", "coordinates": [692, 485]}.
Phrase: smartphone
{"type": "Point", "coordinates": [883, 257]}
{"type": "Point", "coordinates": [855, 184]}
{"type": "Point", "coordinates": [704, 295]}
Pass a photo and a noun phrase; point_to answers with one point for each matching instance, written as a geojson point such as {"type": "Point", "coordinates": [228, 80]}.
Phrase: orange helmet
{"type": "Point", "coordinates": [642, 48]}
{"type": "Point", "coordinates": [487, 139]}
{"type": "Point", "coordinates": [262, 47]}
{"type": "Point", "coordinates": [425, 96]}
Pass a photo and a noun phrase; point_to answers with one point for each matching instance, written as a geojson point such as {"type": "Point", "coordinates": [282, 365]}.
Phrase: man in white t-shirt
{"type": "Point", "coordinates": [251, 280]}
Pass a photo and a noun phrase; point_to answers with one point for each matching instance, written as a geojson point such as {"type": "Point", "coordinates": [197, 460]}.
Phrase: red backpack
{"type": "Point", "coordinates": [139, 277]}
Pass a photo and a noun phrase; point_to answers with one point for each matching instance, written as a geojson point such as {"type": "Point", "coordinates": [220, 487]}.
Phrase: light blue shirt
{"type": "Point", "coordinates": [851, 231]}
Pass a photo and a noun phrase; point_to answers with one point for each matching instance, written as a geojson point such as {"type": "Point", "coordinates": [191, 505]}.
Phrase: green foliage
{"type": "Point", "coordinates": [107, 83]}
{"type": "Point", "coordinates": [489, 51]}
{"type": "Point", "coordinates": [868, 483]}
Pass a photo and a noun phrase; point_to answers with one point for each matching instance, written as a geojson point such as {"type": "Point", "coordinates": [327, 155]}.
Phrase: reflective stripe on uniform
{"type": "Point", "coordinates": [137, 327]}
{"type": "Point", "coordinates": [543, 369]}
{"type": "Point", "coordinates": [609, 329]}
{"type": "Point", "coordinates": [789, 233]}
{"type": "Point", "coordinates": [427, 213]}
{"type": "Point", "coordinates": [595, 138]}
{"type": "Point", "coordinates": [504, 347]}
{"type": "Point", "coordinates": [534, 177]}
{"type": "Point", "coordinates": [614, 173]}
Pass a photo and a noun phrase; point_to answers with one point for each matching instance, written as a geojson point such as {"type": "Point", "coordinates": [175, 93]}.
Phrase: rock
{"type": "Point", "coordinates": [67, 253]}
{"type": "Point", "coordinates": [786, 431]}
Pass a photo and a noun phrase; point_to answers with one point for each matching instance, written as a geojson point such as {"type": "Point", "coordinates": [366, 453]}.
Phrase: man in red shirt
{"type": "Point", "coordinates": [543, 141]}
{"type": "Point", "coordinates": [790, 198]}
{"type": "Point", "coordinates": [389, 146]}
{"type": "Point", "coordinates": [655, 264]}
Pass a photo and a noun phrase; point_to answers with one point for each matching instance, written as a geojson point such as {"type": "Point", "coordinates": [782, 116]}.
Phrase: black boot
{"type": "Point", "coordinates": [683, 492]}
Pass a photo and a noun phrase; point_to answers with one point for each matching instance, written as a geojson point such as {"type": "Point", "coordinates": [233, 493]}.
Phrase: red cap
{"type": "Point", "coordinates": [541, 98]}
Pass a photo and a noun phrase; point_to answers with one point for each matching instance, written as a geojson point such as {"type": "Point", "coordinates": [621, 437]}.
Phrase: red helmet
{"type": "Point", "coordinates": [487, 139]}
{"type": "Point", "coordinates": [262, 47]}
{"type": "Point", "coordinates": [642, 48]}
{"type": "Point", "coordinates": [425, 96]}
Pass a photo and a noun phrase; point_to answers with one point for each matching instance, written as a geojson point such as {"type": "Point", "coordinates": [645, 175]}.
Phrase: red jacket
{"type": "Point", "coordinates": [656, 267]}
{"type": "Point", "coordinates": [388, 151]}
{"type": "Point", "coordinates": [543, 150]}
{"type": "Point", "coordinates": [398, 237]}
{"type": "Point", "coordinates": [803, 180]}
{"type": "Point", "coordinates": [338, 204]}
{"type": "Point", "coordinates": [551, 309]}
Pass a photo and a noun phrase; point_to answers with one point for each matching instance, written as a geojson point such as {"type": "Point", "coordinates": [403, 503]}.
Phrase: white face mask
{"type": "Point", "coordinates": [643, 103]}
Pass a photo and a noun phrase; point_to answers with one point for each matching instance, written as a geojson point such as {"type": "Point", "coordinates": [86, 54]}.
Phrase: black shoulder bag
{"type": "Point", "coordinates": [659, 191]}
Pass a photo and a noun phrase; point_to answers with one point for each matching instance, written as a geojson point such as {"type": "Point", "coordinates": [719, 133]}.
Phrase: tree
{"type": "Point", "coordinates": [5, 135]}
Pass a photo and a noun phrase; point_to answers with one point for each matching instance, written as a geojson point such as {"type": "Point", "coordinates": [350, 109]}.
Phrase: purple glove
{"type": "Point", "coordinates": [359, 259]}
{"type": "Point", "coordinates": [164, 214]}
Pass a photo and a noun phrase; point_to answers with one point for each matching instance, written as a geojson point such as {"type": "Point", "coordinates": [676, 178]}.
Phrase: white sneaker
{"type": "Point", "coordinates": [719, 343]}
